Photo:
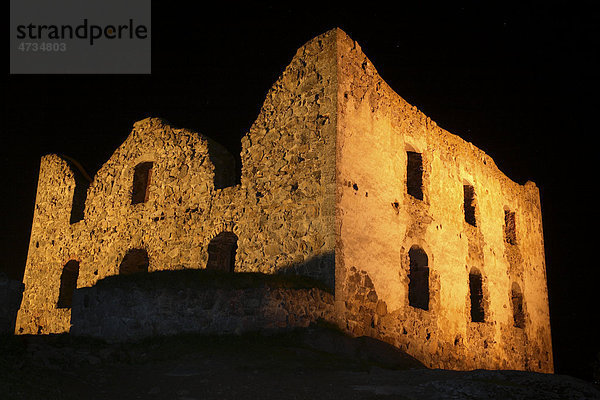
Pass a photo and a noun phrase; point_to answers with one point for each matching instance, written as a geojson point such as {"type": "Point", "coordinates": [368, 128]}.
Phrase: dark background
{"type": "Point", "coordinates": [518, 81]}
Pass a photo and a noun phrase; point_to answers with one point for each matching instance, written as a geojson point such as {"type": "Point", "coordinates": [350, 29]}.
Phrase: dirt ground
{"type": "Point", "coordinates": [315, 363]}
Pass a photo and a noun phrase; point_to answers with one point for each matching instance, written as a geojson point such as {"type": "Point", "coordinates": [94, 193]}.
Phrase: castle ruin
{"type": "Point", "coordinates": [426, 244]}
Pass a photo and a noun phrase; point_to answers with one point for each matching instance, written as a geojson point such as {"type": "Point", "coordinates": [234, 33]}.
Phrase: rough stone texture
{"type": "Point", "coordinates": [282, 212]}
{"type": "Point", "coordinates": [378, 222]}
{"type": "Point", "coordinates": [11, 293]}
{"type": "Point", "coordinates": [288, 169]}
{"type": "Point", "coordinates": [125, 311]}
{"type": "Point", "coordinates": [323, 193]}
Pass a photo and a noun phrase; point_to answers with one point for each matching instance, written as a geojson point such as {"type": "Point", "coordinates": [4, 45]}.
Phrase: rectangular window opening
{"type": "Point", "coordinates": [469, 205]}
{"type": "Point", "coordinates": [141, 181]}
{"type": "Point", "coordinates": [510, 234]}
{"type": "Point", "coordinates": [414, 174]}
{"type": "Point", "coordinates": [476, 294]}
{"type": "Point", "coordinates": [518, 314]}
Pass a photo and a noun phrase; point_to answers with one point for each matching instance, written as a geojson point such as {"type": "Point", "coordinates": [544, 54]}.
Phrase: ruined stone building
{"type": "Point", "coordinates": [426, 243]}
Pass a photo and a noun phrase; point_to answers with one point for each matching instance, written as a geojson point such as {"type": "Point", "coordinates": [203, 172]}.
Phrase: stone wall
{"type": "Point", "coordinates": [179, 192]}
{"type": "Point", "coordinates": [123, 310]}
{"type": "Point", "coordinates": [379, 222]}
{"type": "Point", "coordinates": [11, 293]}
{"type": "Point", "coordinates": [288, 169]}
{"type": "Point", "coordinates": [282, 213]}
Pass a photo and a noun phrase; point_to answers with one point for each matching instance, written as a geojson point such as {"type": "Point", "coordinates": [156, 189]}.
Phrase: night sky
{"type": "Point", "coordinates": [519, 82]}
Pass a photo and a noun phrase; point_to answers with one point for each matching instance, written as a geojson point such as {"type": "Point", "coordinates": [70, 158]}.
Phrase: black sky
{"type": "Point", "coordinates": [518, 81]}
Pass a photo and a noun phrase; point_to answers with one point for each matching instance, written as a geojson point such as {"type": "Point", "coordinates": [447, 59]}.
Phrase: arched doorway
{"type": "Point", "coordinates": [135, 261]}
{"type": "Point", "coordinates": [221, 252]}
{"type": "Point", "coordinates": [68, 284]}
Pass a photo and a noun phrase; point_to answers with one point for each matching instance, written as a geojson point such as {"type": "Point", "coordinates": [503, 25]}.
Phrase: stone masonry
{"type": "Point", "coordinates": [426, 243]}
{"type": "Point", "coordinates": [119, 311]}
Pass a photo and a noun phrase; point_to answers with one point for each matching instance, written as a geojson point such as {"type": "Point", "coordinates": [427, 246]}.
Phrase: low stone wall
{"type": "Point", "coordinates": [123, 310]}
{"type": "Point", "coordinates": [11, 293]}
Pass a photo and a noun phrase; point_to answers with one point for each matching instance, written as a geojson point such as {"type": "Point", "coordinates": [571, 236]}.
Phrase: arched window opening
{"type": "Point", "coordinates": [142, 177]}
{"type": "Point", "coordinates": [418, 279]}
{"type": "Point", "coordinates": [414, 174]}
{"type": "Point", "coordinates": [517, 305]}
{"type": "Point", "coordinates": [221, 252]}
{"type": "Point", "coordinates": [469, 204]}
{"type": "Point", "coordinates": [135, 261]}
{"type": "Point", "coordinates": [68, 284]}
{"type": "Point", "coordinates": [510, 235]}
{"type": "Point", "coordinates": [476, 294]}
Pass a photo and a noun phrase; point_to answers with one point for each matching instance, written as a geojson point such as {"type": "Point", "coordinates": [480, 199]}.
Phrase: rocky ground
{"type": "Point", "coordinates": [317, 363]}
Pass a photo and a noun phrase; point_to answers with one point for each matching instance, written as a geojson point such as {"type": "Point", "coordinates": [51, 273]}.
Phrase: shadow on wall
{"type": "Point", "coordinates": [130, 307]}
{"type": "Point", "coordinates": [317, 272]}
{"type": "Point", "coordinates": [320, 268]}
{"type": "Point", "coordinates": [135, 261]}
{"type": "Point", "coordinates": [137, 303]}
{"type": "Point", "coordinates": [11, 294]}
{"type": "Point", "coordinates": [222, 251]}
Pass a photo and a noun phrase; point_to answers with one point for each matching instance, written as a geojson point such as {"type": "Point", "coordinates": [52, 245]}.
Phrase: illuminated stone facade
{"type": "Point", "coordinates": [427, 244]}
